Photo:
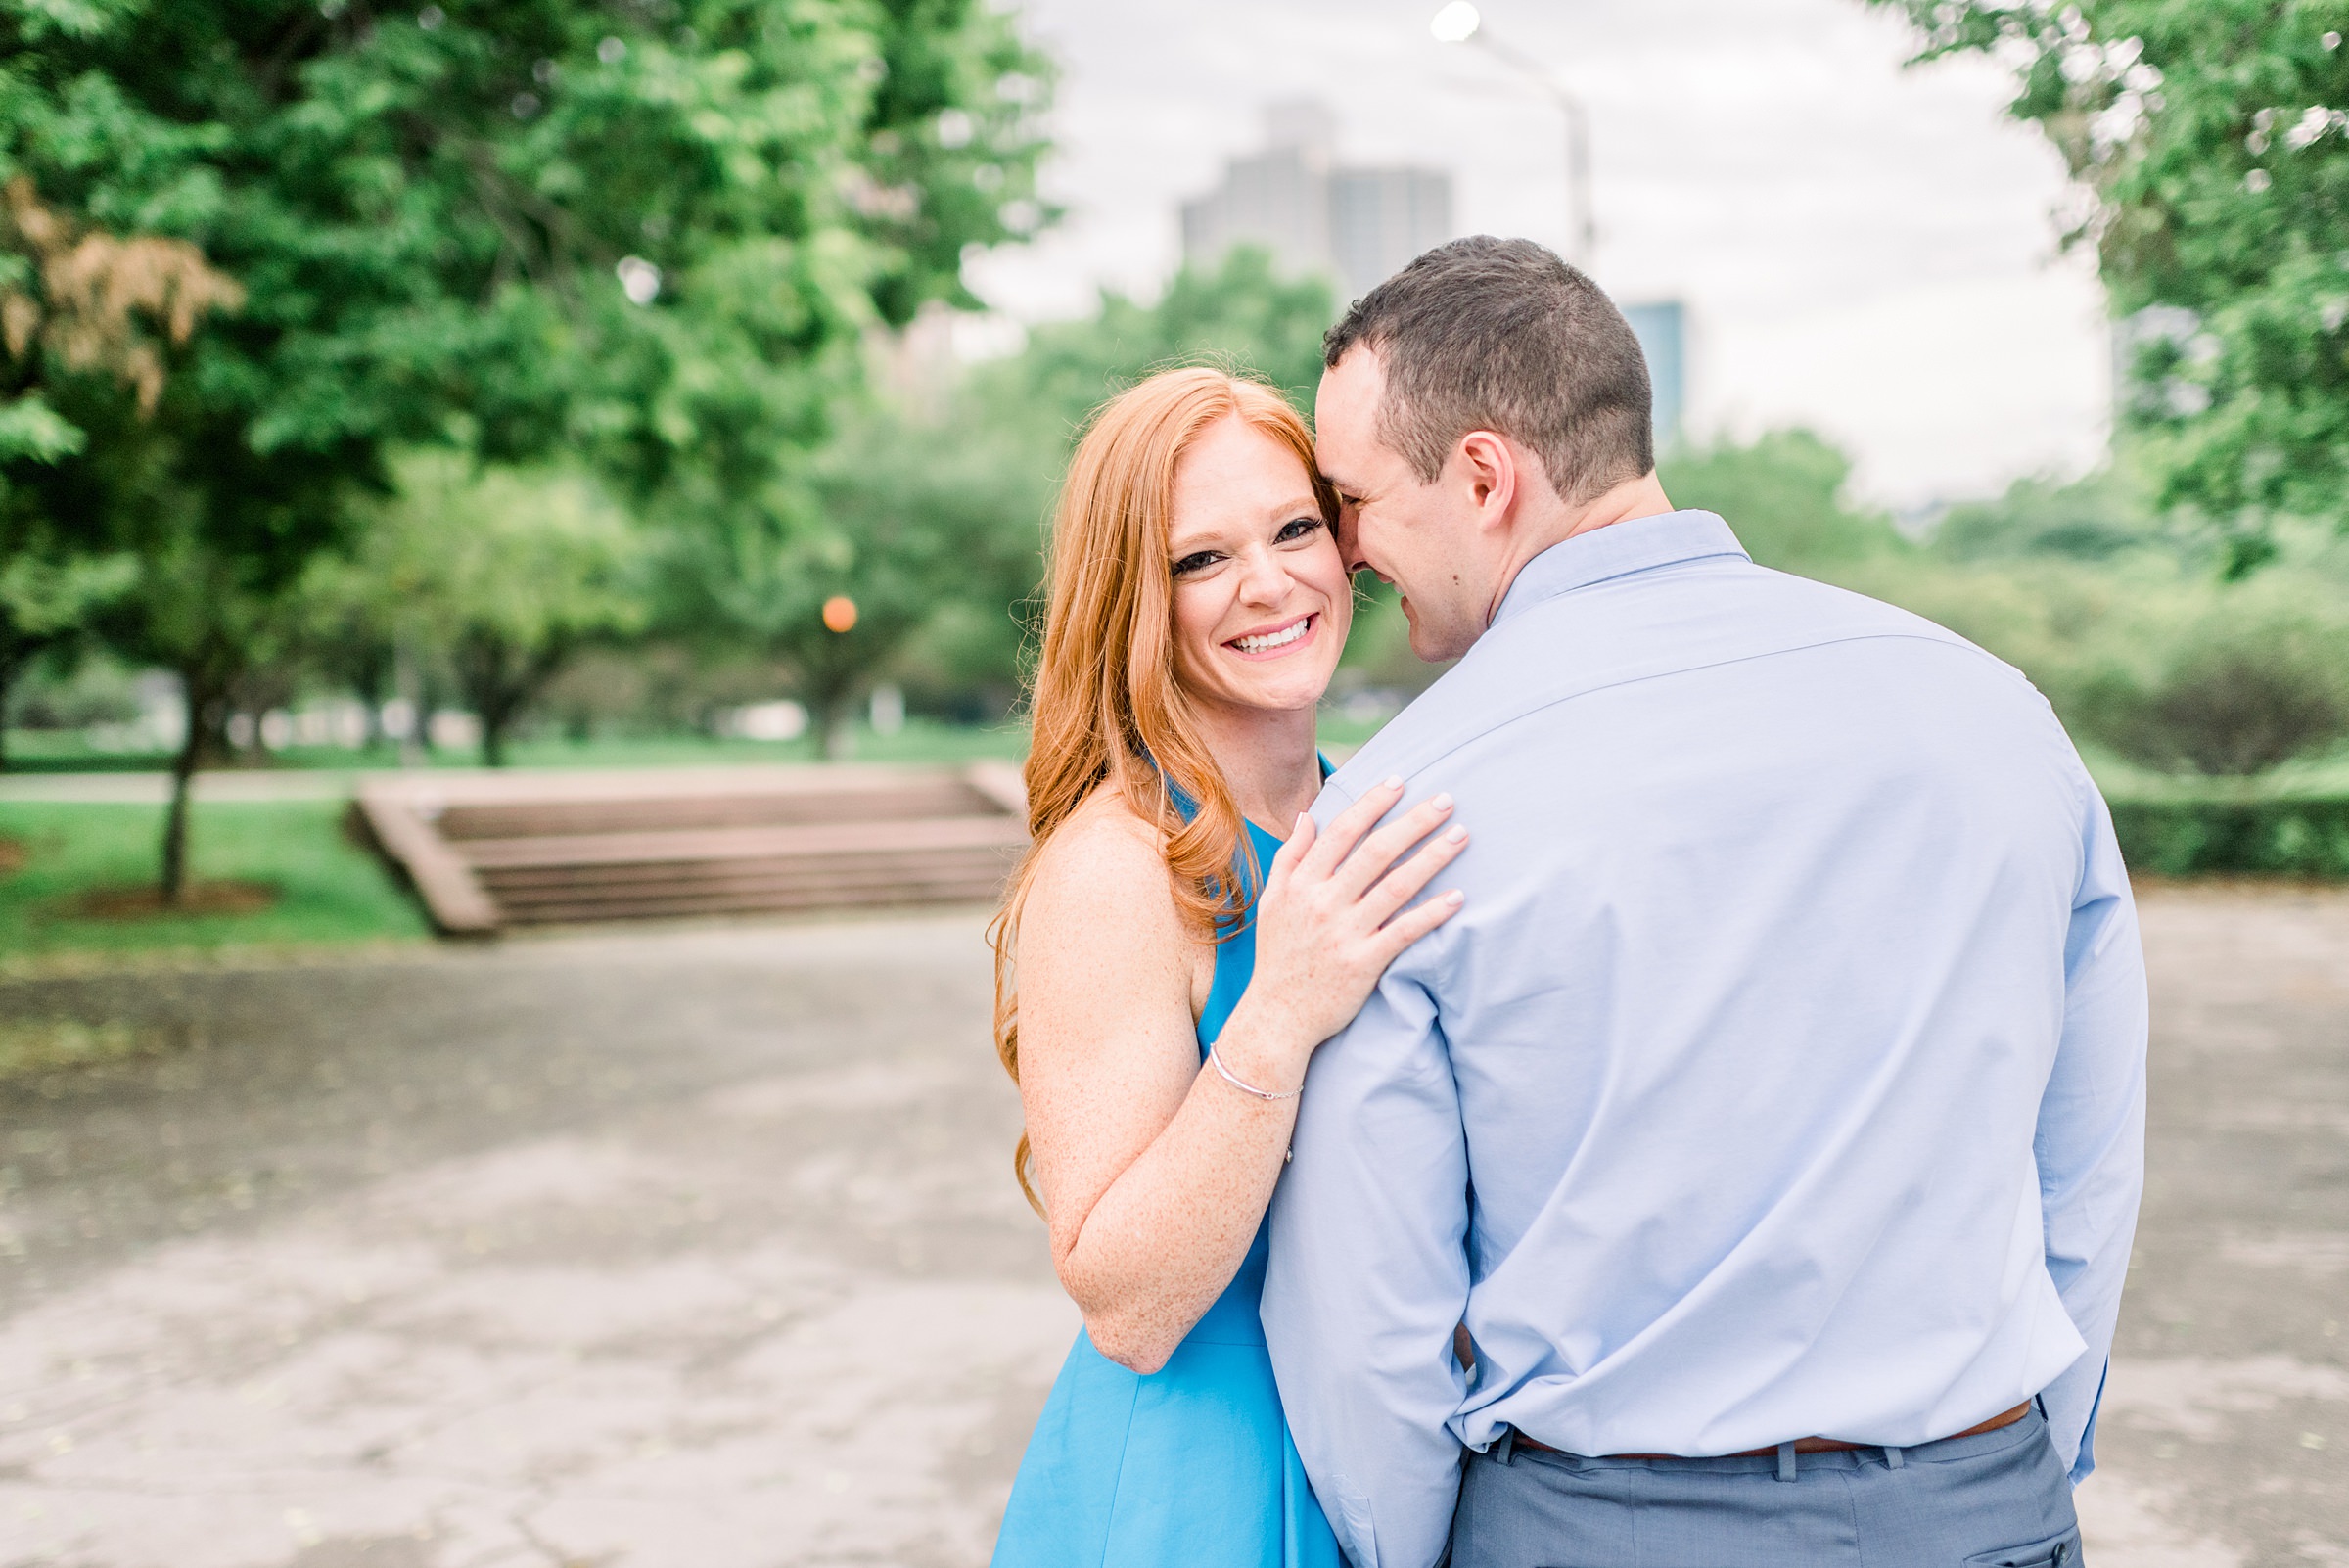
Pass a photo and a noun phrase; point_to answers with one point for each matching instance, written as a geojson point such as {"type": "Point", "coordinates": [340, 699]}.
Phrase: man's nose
{"type": "Point", "coordinates": [1350, 546]}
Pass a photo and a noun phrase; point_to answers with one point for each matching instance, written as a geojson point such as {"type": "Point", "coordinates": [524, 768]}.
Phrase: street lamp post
{"type": "Point", "coordinates": [1460, 22]}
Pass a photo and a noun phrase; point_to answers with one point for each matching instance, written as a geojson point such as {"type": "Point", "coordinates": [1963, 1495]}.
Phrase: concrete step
{"type": "Point", "coordinates": [494, 851]}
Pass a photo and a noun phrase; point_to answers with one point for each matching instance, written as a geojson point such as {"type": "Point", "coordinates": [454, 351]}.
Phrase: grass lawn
{"type": "Point", "coordinates": [920, 741]}
{"type": "Point", "coordinates": [327, 888]}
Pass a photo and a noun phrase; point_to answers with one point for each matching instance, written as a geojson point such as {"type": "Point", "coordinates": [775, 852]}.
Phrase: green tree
{"type": "Point", "coordinates": [503, 576]}
{"type": "Point", "coordinates": [1784, 495]}
{"type": "Point", "coordinates": [82, 311]}
{"type": "Point", "coordinates": [1239, 313]}
{"type": "Point", "coordinates": [907, 522]}
{"type": "Point", "coordinates": [651, 236]}
{"type": "Point", "coordinates": [2212, 141]}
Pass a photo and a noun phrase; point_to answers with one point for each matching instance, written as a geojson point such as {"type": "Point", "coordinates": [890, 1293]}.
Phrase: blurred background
{"type": "Point", "coordinates": [509, 387]}
{"type": "Point", "coordinates": [506, 385]}
{"type": "Point", "coordinates": [505, 464]}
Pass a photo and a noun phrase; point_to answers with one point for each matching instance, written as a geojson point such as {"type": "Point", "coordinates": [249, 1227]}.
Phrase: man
{"type": "Point", "coordinates": [1770, 1119]}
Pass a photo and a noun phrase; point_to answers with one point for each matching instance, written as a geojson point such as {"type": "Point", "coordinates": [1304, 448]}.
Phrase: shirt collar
{"type": "Point", "coordinates": [1637, 544]}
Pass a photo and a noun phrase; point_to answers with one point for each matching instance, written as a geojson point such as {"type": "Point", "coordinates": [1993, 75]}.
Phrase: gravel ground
{"type": "Point", "coordinates": [700, 1247]}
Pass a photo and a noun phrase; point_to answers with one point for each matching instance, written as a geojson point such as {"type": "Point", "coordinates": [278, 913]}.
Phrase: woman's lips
{"type": "Point", "coordinates": [1283, 639]}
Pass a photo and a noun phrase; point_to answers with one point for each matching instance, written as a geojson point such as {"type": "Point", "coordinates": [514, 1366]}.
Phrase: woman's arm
{"type": "Point", "coordinates": [1155, 1172]}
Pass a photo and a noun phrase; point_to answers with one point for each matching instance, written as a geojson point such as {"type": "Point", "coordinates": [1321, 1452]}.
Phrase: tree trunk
{"type": "Point", "coordinates": [829, 686]}
{"type": "Point", "coordinates": [206, 699]}
{"type": "Point", "coordinates": [9, 665]}
{"type": "Point", "coordinates": [17, 650]}
{"type": "Point", "coordinates": [834, 727]}
{"type": "Point", "coordinates": [501, 682]}
{"type": "Point", "coordinates": [175, 818]}
{"type": "Point", "coordinates": [489, 689]}
{"type": "Point", "coordinates": [414, 745]}
{"type": "Point", "coordinates": [493, 736]}
{"type": "Point", "coordinates": [370, 683]}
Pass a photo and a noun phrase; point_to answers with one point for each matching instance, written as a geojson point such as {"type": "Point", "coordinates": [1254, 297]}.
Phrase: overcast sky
{"type": "Point", "coordinates": [1863, 248]}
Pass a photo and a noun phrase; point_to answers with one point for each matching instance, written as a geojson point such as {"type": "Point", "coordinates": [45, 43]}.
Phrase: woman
{"type": "Point", "coordinates": [1199, 604]}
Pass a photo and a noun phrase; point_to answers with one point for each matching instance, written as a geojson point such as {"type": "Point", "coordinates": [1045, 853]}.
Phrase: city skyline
{"type": "Point", "coordinates": [1864, 249]}
{"type": "Point", "coordinates": [1313, 210]}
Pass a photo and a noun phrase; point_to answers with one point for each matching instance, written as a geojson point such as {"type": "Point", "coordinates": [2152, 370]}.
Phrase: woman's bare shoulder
{"type": "Point", "coordinates": [1104, 863]}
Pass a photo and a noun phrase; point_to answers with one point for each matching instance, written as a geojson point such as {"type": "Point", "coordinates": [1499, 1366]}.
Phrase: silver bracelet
{"type": "Point", "coordinates": [1243, 1085]}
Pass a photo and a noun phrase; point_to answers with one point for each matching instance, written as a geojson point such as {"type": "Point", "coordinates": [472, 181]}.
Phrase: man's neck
{"type": "Point", "coordinates": [1553, 526]}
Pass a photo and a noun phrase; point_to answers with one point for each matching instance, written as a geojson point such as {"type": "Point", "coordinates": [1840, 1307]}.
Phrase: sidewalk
{"type": "Point", "coordinates": [153, 789]}
{"type": "Point", "coordinates": [700, 1247]}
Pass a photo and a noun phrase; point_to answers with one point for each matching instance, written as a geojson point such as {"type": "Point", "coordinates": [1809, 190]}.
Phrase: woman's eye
{"type": "Point", "coordinates": [1301, 527]}
{"type": "Point", "coordinates": [1199, 562]}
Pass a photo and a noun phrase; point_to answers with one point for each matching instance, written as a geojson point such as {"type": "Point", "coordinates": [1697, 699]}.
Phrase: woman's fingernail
{"type": "Point", "coordinates": [1298, 826]}
{"type": "Point", "coordinates": [1457, 835]}
{"type": "Point", "coordinates": [1393, 782]}
{"type": "Point", "coordinates": [1455, 897]}
{"type": "Point", "coordinates": [1442, 803]}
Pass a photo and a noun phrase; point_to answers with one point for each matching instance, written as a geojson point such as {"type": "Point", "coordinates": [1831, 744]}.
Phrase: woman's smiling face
{"type": "Point", "coordinates": [1263, 601]}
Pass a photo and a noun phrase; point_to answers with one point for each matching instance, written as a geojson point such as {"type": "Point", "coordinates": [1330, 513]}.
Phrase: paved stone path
{"type": "Point", "coordinates": [700, 1248]}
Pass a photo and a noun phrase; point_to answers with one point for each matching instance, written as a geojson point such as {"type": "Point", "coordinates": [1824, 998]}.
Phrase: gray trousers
{"type": "Point", "coordinates": [1998, 1501]}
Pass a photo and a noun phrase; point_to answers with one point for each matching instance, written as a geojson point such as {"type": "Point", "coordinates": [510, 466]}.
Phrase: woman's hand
{"type": "Point", "coordinates": [1330, 920]}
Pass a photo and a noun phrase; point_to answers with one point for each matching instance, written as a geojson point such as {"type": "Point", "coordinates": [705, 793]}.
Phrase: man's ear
{"type": "Point", "coordinates": [1489, 469]}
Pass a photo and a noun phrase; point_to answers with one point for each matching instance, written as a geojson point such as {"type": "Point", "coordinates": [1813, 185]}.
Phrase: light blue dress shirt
{"type": "Point", "coordinates": [1784, 1074]}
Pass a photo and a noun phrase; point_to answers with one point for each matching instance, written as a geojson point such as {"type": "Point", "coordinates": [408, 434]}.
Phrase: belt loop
{"type": "Point", "coordinates": [1505, 1447]}
{"type": "Point", "coordinates": [1785, 1461]}
{"type": "Point", "coordinates": [1892, 1458]}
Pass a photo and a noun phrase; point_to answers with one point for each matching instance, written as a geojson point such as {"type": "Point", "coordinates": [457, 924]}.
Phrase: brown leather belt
{"type": "Point", "coordinates": [1809, 1444]}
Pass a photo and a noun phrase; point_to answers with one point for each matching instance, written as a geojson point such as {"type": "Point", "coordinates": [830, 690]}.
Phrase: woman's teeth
{"type": "Point", "coordinates": [1273, 639]}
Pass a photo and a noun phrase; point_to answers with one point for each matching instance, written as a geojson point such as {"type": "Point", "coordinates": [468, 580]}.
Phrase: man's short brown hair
{"type": "Point", "coordinates": [1501, 334]}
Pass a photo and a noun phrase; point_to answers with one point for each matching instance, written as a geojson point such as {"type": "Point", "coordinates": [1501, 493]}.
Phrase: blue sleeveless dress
{"type": "Point", "coordinates": [1192, 1467]}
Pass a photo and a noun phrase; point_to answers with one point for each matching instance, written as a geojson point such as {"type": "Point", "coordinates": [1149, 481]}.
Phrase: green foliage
{"type": "Point", "coordinates": [1785, 496]}
{"type": "Point", "coordinates": [2248, 686]}
{"type": "Point", "coordinates": [650, 237]}
{"type": "Point", "coordinates": [2210, 139]}
{"type": "Point", "coordinates": [504, 575]}
{"type": "Point", "coordinates": [2115, 613]}
{"type": "Point", "coordinates": [1239, 313]}
{"type": "Point", "coordinates": [31, 430]}
{"type": "Point", "coordinates": [43, 597]}
{"type": "Point", "coordinates": [2100, 518]}
{"type": "Point", "coordinates": [429, 209]}
{"type": "Point", "coordinates": [2185, 836]}
{"type": "Point", "coordinates": [327, 887]}
{"type": "Point", "coordinates": [2118, 616]}
{"type": "Point", "coordinates": [908, 522]}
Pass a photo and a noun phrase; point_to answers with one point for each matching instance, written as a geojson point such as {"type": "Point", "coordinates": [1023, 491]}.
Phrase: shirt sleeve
{"type": "Point", "coordinates": [1369, 1275]}
{"type": "Point", "coordinates": [2091, 1140]}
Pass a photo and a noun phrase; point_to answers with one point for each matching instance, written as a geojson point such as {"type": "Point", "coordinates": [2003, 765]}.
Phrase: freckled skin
{"type": "Point", "coordinates": [1155, 1173]}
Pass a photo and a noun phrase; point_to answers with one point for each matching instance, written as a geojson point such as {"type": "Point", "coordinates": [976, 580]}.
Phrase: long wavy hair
{"type": "Point", "coordinates": [1104, 703]}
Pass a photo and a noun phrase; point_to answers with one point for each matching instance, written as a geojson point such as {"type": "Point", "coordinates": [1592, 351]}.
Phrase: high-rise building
{"type": "Point", "coordinates": [1662, 328]}
{"type": "Point", "coordinates": [1357, 226]}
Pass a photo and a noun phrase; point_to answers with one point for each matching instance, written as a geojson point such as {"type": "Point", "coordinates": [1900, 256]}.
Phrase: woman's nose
{"type": "Point", "coordinates": [1262, 578]}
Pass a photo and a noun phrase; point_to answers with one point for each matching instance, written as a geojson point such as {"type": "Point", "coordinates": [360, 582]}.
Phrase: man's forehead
{"type": "Point", "coordinates": [1355, 381]}
{"type": "Point", "coordinates": [1344, 411]}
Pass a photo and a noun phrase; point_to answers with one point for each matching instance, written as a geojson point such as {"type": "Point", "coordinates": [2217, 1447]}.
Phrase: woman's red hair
{"type": "Point", "coordinates": [1104, 704]}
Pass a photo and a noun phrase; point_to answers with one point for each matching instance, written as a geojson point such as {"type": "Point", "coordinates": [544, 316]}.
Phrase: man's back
{"type": "Point", "coordinates": [1788, 915]}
